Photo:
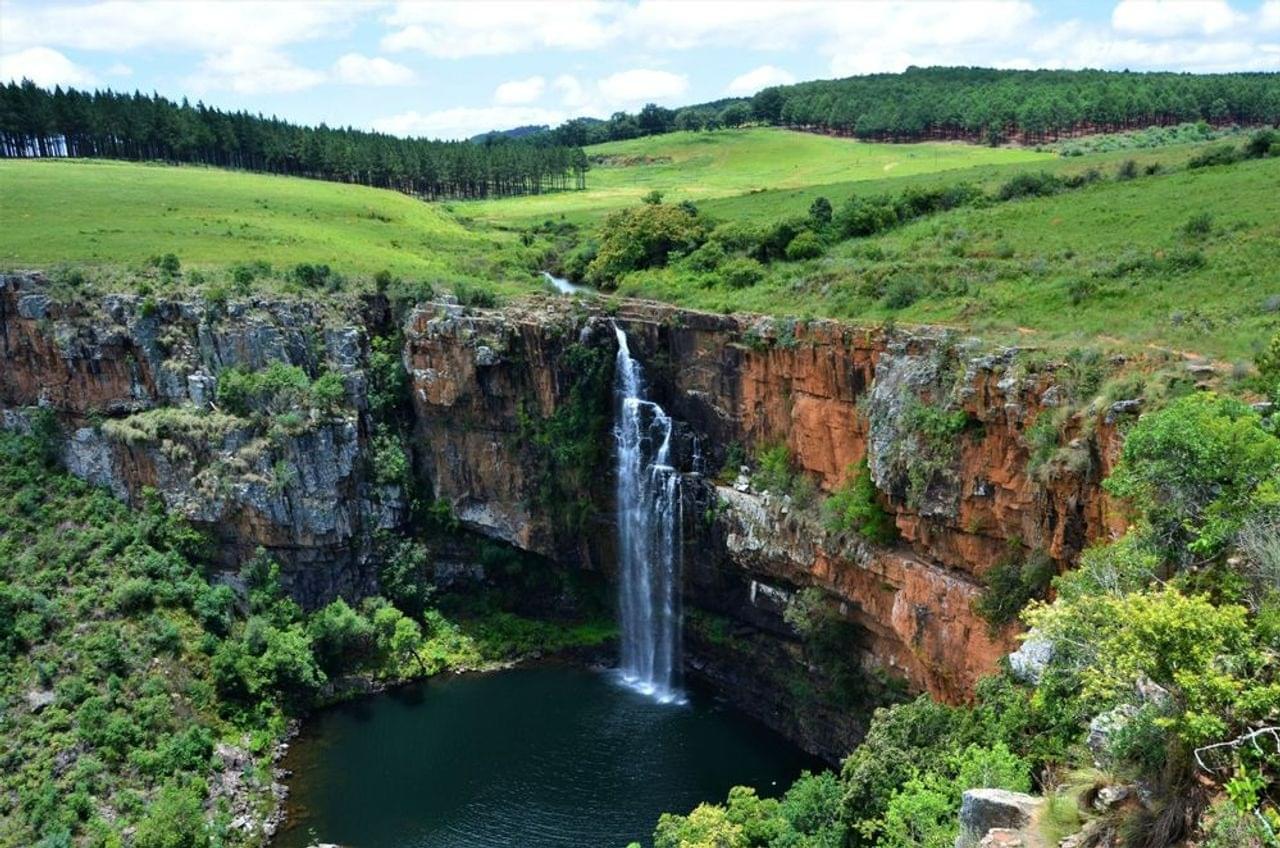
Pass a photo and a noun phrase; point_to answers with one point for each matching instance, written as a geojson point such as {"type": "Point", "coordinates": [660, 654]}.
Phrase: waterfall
{"type": "Point", "coordinates": [648, 536]}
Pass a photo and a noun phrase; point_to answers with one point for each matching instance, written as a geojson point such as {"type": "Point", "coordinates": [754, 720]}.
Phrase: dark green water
{"type": "Point", "coordinates": [538, 757]}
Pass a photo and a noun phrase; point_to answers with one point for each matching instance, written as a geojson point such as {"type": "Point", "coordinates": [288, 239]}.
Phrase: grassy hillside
{"type": "Point", "coordinates": [1118, 263]}
{"type": "Point", "coordinates": [116, 213]}
{"type": "Point", "coordinates": [726, 163]}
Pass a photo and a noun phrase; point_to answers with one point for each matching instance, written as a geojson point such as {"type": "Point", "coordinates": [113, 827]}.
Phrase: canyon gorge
{"type": "Point", "coordinates": [132, 384]}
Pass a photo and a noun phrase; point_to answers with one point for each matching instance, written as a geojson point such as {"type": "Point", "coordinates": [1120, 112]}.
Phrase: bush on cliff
{"type": "Point", "coordinates": [855, 506]}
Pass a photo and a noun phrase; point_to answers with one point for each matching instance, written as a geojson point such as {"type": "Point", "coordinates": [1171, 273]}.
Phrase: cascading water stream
{"type": "Point", "coordinates": [648, 535]}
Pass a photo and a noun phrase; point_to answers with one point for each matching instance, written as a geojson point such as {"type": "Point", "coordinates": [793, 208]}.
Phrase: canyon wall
{"type": "Point", "coordinates": [511, 429]}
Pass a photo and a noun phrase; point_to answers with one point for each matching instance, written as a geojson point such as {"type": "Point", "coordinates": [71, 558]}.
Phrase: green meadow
{"type": "Point", "coordinates": [109, 214]}
{"type": "Point", "coordinates": [701, 166]}
{"type": "Point", "coordinates": [1187, 260]}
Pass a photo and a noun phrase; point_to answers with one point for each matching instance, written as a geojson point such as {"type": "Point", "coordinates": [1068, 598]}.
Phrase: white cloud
{"type": "Point", "coordinates": [454, 30]}
{"type": "Point", "coordinates": [120, 69]}
{"type": "Point", "coordinates": [252, 70]}
{"type": "Point", "coordinates": [203, 25]}
{"type": "Point", "coordinates": [464, 122]}
{"type": "Point", "coordinates": [572, 92]}
{"type": "Point", "coordinates": [355, 69]}
{"type": "Point", "coordinates": [514, 92]}
{"type": "Point", "coordinates": [761, 77]}
{"type": "Point", "coordinates": [44, 66]}
{"type": "Point", "coordinates": [1269, 16]}
{"type": "Point", "coordinates": [639, 85]}
{"type": "Point", "coordinates": [1165, 18]}
{"type": "Point", "coordinates": [886, 37]}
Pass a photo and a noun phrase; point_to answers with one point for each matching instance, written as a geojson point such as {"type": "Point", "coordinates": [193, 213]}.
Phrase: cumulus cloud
{"type": "Point", "coordinates": [356, 69]}
{"type": "Point", "coordinates": [761, 77]}
{"type": "Point", "coordinates": [1269, 16]}
{"type": "Point", "coordinates": [519, 91]}
{"type": "Point", "coordinates": [202, 25]}
{"type": "Point", "coordinates": [639, 85]}
{"type": "Point", "coordinates": [44, 66]}
{"type": "Point", "coordinates": [1166, 18]}
{"type": "Point", "coordinates": [464, 122]}
{"type": "Point", "coordinates": [253, 70]}
{"type": "Point", "coordinates": [455, 30]}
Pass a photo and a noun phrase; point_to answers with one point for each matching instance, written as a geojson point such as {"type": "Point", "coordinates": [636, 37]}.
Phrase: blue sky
{"type": "Point", "coordinates": [452, 69]}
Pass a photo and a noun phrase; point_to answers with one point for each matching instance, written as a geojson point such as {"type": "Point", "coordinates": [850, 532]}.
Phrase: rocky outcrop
{"type": "Point", "coordinates": [985, 810]}
{"type": "Point", "coordinates": [132, 382]}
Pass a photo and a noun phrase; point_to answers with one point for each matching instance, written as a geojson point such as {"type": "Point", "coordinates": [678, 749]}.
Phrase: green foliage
{"type": "Point", "coordinates": [1040, 184]}
{"type": "Point", "coordinates": [820, 211]}
{"type": "Point", "coordinates": [1011, 583]}
{"type": "Point", "coordinates": [806, 245]}
{"type": "Point", "coordinates": [404, 573]}
{"type": "Point", "coordinates": [1268, 363]}
{"type": "Point", "coordinates": [150, 664]}
{"type": "Point", "coordinates": [642, 237]}
{"type": "Point", "coordinates": [567, 448]}
{"type": "Point", "coordinates": [390, 463]}
{"type": "Point", "coordinates": [1197, 469]}
{"type": "Point", "coordinates": [278, 388]}
{"type": "Point", "coordinates": [854, 505]}
{"type": "Point", "coordinates": [175, 820]}
{"type": "Point", "coordinates": [774, 471]}
{"type": "Point", "coordinates": [1198, 225]}
{"type": "Point", "coordinates": [1220, 154]}
{"type": "Point", "coordinates": [341, 637]}
{"type": "Point", "coordinates": [805, 817]}
{"type": "Point", "coordinates": [741, 272]}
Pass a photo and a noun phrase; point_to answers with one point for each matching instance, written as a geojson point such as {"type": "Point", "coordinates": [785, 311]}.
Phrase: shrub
{"type": "Point", "coordinates": [174, 820]}
{"type": "Point", "coordinates": [312, 276]}
{"type": "Point", "coordinates": [476, 297]}
{"type": "Point", "coordinates": [1262, 143]}
{"type": "Point", "coordinates": [1128, 170]}
{"type": "Point", "coordinates": [820, 211]}
{"type": "Point", "coordinates": [854, 506]}
{"type": "Point", "coordinates": [276, 389]}
{"type": "Point", "coordinates": [1080, 289]}
{"type": "Point", "coordinates": [1197, 225]}
{"type": "Point", "coordinates": [1197, 469]}
{"type": "Point", "coordinates": [741, 272]}
{"type": "Point", "coordinates": [902, 292]}
{"type": "Point", "coordinates": [1013, 582]}
{"type": "Point", "coordinates": [806, 245]}
{"type": "Point", "coordinates": [865, 217]}
{"type": "Point", "coordinates": [708, 257]}
{"type": "Point", "coordinates": [1218, 154]}
{"type": "Point", "coordinates": [340, 637]}
{"type": "Point", "coordinates": [1041, 184]}
{"type": "Point", "coordinates": [642, 237]}
{"type": "Point", "coordinates": [169, 265]}
{"type": "Point", "coordinates": [773, 472]}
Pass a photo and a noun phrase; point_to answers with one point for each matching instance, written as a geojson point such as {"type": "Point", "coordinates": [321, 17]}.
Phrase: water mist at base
{"type": "Point", "coordinates": [648, 536]}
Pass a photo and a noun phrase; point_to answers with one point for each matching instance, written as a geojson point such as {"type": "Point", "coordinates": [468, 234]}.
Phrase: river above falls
{"type": "Point", "coordinates": [544, 757]}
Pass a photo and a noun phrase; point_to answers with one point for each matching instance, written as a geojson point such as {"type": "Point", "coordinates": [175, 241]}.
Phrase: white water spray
{"type": "Point", "coordinates": [648, 536]}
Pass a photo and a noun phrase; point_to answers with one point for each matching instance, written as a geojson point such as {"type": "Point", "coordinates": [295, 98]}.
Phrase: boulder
{"type": "Point", "coordinates": [984, 810]}
{"type": "Point", "coordinates": [1106, 725]}
{"type": "Point", "coordinates": [1002, 837]}
{"type": "Point", "coordinates": [1027, 664]}
{"type": "Point", "coordinates": [38, 699]}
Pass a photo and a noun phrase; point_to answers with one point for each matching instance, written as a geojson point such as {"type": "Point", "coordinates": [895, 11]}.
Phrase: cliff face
{"type": "Point", "coordinates": [132, 382]}
{"type": "Point", "coordinates": [833, 395]}
{"type": "Point", "coordinates": [511, 417]}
